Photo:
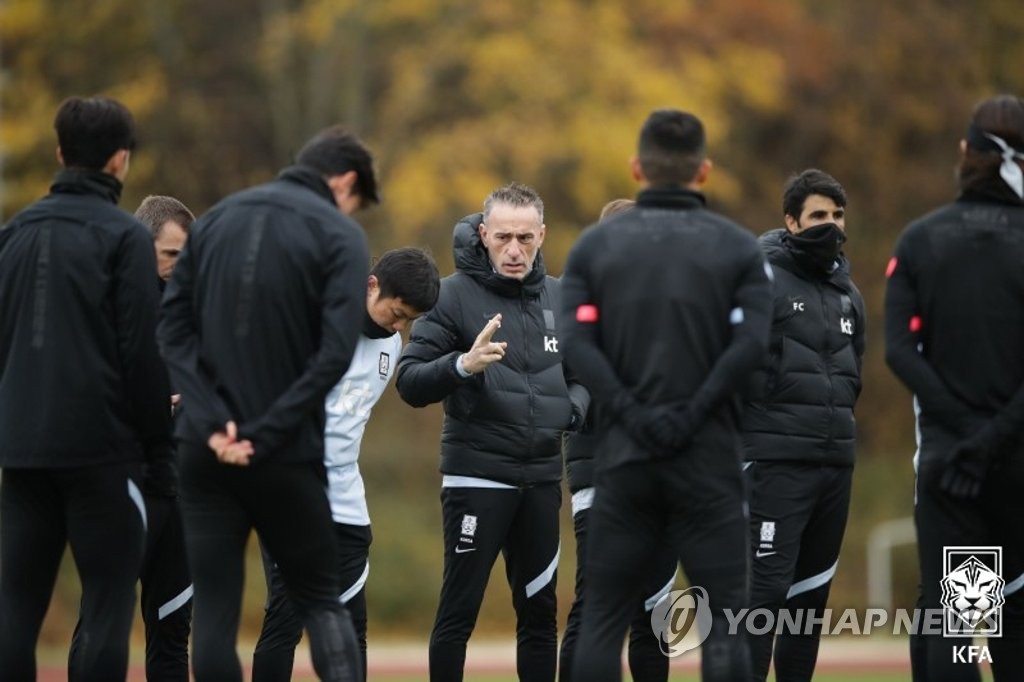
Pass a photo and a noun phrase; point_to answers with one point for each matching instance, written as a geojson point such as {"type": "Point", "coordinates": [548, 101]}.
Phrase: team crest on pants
{"type": "Point", "coordinates": [468, 525]}
{"type": "Point", "coordinates": [768, 531]}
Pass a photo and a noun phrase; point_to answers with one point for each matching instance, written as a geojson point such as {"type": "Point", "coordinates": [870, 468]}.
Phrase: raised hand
{"type": "Point", "coordinates": [484, 350]}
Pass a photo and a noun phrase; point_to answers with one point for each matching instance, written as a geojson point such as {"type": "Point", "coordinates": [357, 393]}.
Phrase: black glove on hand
{"type": "Point", "coordinates": [661, 431]}
{"type": "Point", "coordinates": [161, 475]}
{"type": "Point", "coordinates": [672, 427]}
{"type": "Point", "coordinates": [966, 467]}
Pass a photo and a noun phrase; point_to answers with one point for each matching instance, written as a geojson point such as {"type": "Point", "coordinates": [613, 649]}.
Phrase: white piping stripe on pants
{"type": "Point", "coordinates": [356, 586]}
{"type": "Point", "coordinates": [812, 583]}
{"type": "Point", "coordinates": [174, 604]}
{"type": "Point", "coordinates": [136, 495]}
{"type": "Point", "coordinates": [660, 595]}
{"type": "Point", "coordinates": [538, 583]}
{"type": "Point", "coordinates": [1013, 585]}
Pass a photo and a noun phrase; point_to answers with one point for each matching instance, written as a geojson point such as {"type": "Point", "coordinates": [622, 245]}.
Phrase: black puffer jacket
{"type": "Point", "coordinates": [801, 403]}
{"type": "Point", "coordinates": [506, 423]}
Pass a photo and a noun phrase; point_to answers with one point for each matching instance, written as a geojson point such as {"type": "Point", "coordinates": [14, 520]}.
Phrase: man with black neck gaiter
{"type": "Point", "coordinates": [798, 424]}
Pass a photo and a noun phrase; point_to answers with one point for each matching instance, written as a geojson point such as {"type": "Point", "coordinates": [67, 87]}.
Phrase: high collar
{"type": "Point", "coordinates": [1001, 194]}
{"type": "Point", "coordinates": [310, 179]}
{"type": "Point", "coordinates": [777, 252]}
{"type": "Point", "coordinates": [471, 258]}
{"type": "Point", "coordinates": [670, 197]}
{"type": "Point", "coordinates": [87, 181]}
{"type": "Point", "coordinates": [372, 330]}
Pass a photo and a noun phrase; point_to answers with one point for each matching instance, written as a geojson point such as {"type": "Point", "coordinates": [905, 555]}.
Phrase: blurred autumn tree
{"type": "Point", "coordinates": [458, 96]}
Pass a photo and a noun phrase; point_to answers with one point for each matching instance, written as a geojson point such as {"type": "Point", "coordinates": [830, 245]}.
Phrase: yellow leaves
{"type": "Point", "coordinates": [20, 19]}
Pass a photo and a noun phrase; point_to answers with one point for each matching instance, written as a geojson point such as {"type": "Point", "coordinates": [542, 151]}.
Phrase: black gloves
{"type": "Point", "coordinates": [661, 431]}
{"type": "Point", "coordinates": [160, 476]}
{"type": "Point", "coordinates": [966, 466]}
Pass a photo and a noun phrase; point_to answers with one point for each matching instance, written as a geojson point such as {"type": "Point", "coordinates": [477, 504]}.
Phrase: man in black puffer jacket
{"type": "Point", "coordinates": [489, 350]}
{"type": "Point", "coordinates": [798, 425]}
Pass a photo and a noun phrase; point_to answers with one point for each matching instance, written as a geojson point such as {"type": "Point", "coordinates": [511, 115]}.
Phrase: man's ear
{"type": "Point", "coordinates": [703, 172]}
{"type": "Point", "coordinates": [342, 183]}
{"type": "Point", "coordinates": [792, 224]}
{"type": "Point", "coordinates": [118, 163]}
{"type": "Point", "coordinates": [636, 170]}
{"type": "Point", "coordinates": [60, 156]}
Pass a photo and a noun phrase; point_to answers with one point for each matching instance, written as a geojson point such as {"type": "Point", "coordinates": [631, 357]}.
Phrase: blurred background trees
{"type": "Point", "coordinates": [457, 97]}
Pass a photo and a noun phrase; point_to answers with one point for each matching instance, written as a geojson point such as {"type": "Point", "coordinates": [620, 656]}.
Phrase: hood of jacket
{"type": "Point", "coordinates": [472, 259]}
{"type": "Point", "coordinates": [778, 254]}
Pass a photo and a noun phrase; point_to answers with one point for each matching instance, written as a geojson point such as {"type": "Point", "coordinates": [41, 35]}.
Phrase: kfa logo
{"type": "Point", "coordinates": [550, 344]}
{"type": "Point", "coordinates": [384, 366]}
{"type": "Point", "coordinates": [972, 596]}
{"type": "Point", "coordinates": [766, 546]}
{"type": "Point", "coordinates": [846, 325]}
{"type": "Point", "coordinates": [466, 534]}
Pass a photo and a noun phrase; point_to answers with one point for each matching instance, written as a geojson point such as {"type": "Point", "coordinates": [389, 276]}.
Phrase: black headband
{"type": "Point", "coordinates": [979, 142]}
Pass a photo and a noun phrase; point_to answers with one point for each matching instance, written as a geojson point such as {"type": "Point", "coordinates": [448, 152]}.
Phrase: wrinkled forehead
{"type": "Point", "coordinates": [513, 219]}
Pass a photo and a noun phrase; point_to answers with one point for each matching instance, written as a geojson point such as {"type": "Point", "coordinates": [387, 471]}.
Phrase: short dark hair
{"type": "Point", "coordinates": [1003, 116]}
{"type": "Point", "coordinates": [671, 147]}
{"type": "Point", "coordinates": [335, 151]}
{"type": "Point", "coordinates": [90, 130]}
{"type": "Point", "coordinates": [155, 210]}
{"type": "Point", "coordinates": [514, 194]}
{"type": "Point", "coordinates": [801, 185]}
{"type": "Point", "coordinates": [410, 274]}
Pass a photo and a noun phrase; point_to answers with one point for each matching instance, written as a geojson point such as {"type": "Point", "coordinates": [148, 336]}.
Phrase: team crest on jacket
{"type": "Point", "coordinates": [384, 365]}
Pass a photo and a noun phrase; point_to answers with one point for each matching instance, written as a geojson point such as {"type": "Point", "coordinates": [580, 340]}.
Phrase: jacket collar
{"type": "Point", "coordinates": [671, 197]}
{"type": "Point", "coordinates": [309, 178]}
{"type": "Point", "coordinates": [87, 181]}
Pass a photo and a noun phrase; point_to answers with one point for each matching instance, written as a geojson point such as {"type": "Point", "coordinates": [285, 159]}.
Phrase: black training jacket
{"type": "Point", "coordinates": [954, 319]}
{"type": "Point", "coordinates": [668, 303]}
{"type": "Point", "coordinates": [801, 402]}
{"type": "Point", "coordinates": [81, 382]}
{"type": "Point", "coordinates": [262, 314]}
{"type": "Point", "coordinates": [505, 423]}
